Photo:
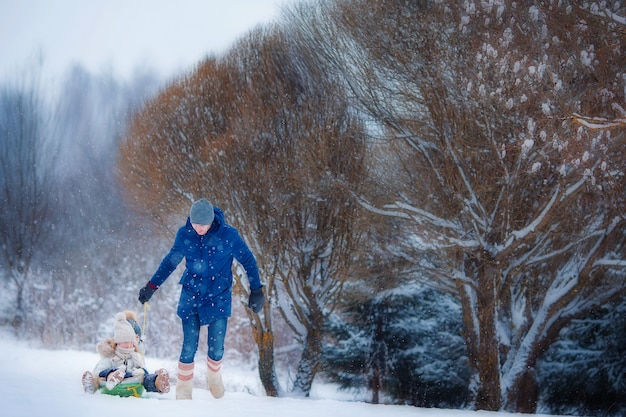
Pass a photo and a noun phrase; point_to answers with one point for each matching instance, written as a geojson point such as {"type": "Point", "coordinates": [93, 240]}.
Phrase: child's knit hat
{"type": "Point", "coordinates": [124, 331]}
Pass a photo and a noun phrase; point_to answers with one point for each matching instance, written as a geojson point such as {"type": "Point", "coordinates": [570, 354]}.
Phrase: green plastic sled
{"type": "Point", "coordinates": [127, 388]}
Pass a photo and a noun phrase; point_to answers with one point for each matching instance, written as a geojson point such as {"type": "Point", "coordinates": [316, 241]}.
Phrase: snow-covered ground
{"type": "Point", "coordinates": [39, 382]}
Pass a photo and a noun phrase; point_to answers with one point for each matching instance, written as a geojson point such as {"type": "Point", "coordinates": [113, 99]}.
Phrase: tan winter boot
{"type": "Point", "coordinates": [115, 378]}
{"type": "Point", "coordinates": [162, 381]}
{"type": "Point", "coordinates": [89, 383]}
{"type": "Point", "coordinates": [184, 386]}
{"type": "Point", "coordinates": [214, 378]}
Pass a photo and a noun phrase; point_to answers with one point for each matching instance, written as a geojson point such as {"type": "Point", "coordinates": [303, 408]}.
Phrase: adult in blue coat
{"type": "Point", "coordinates": [209, 246]}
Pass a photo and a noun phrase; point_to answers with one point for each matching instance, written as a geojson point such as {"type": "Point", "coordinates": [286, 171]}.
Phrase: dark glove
{"type": "Point", "coordinates": [146, 292]}
{"type": "Point", "coordinates": [257, 299]}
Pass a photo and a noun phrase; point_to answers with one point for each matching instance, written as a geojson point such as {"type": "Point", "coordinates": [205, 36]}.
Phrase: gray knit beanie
{"type": "Point", "coordinates": [201, 212]}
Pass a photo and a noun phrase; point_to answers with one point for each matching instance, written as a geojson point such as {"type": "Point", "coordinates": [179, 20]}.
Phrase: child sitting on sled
{"type": "Point", "coordinates": [120, 360]}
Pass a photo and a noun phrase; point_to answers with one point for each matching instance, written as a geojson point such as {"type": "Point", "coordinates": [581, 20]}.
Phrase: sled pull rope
{"type": "Point", "coordinates": [143, 332]}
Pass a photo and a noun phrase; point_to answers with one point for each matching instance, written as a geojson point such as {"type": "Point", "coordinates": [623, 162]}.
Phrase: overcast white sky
{"type": "Point", "coordinates": [120, 35]}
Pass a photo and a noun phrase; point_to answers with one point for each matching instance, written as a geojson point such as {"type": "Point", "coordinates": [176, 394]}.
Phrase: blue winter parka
{"type": "Point", "coordinates": [208, 278]}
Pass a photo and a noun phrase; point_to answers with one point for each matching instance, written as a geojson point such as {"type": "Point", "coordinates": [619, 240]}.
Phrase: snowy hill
{"type": "Point", "coordinates": [37, 382]}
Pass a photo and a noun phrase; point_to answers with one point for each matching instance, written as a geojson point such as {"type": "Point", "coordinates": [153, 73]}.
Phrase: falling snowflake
{"type": "Point", "coordinates": [536, 167]}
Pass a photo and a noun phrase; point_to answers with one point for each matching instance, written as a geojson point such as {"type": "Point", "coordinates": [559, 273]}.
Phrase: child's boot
{"type": "Point", "coordinates": [214, 378]}
{"type": "Point", "coordinates": [115, 378]}
{"type": "Point", "coordinates": [162, 381]}
{"type": "Point", "coordinates": [89, 383]}
{"type": "Point", "coordinates": [184, 386]}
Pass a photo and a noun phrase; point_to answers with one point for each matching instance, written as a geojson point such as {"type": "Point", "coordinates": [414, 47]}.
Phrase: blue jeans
{"type": "Point", "coordinates": [191, 335]}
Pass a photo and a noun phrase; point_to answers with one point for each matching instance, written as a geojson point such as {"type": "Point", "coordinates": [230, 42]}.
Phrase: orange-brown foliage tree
{"type": "Point", "coordinates": [266, 135]}
{"type": "Point", "coordinates": [163, 160]}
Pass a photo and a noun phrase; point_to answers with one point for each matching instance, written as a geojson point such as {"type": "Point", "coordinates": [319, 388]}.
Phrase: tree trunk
{"type": "Point", "coordinates": [378, 360]}
{"type": "Point", "coordinates": [264, 338]}
{"type": "Point", "coordinates": [375, 385]}
{"type": "Point", "coordinates": [487, 359]}
{"type": "Point", "coordinates": [267, 371]}
{"type": "Point", "coordinates": [19, 278]}
{"type": "Point", "coordinates": [307, 368]}
{"type": "Point", "coordinates": [524, 393]}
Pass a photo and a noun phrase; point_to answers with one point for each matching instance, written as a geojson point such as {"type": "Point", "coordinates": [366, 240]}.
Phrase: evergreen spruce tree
{"type": "Point", "coordinates": [405, 345]}
{"type": "Point", "coordinates": [584, 373]}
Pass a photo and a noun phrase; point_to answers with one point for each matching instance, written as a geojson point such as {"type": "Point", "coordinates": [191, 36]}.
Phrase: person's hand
{"type": "Point", "coordinates": [146, 293]}
{"type": "Point", "coordinates": [256, 300]}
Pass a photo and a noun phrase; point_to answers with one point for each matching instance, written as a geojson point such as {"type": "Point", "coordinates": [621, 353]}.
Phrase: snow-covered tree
{"type": "Point", "coordinates": [404, 342]}
{"type": "Point", "coordinates": [512, 195]}
{"type": "Point", "coordinates": [584, 372]}
{"type": "Point", "coordinates": [294, 131]}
